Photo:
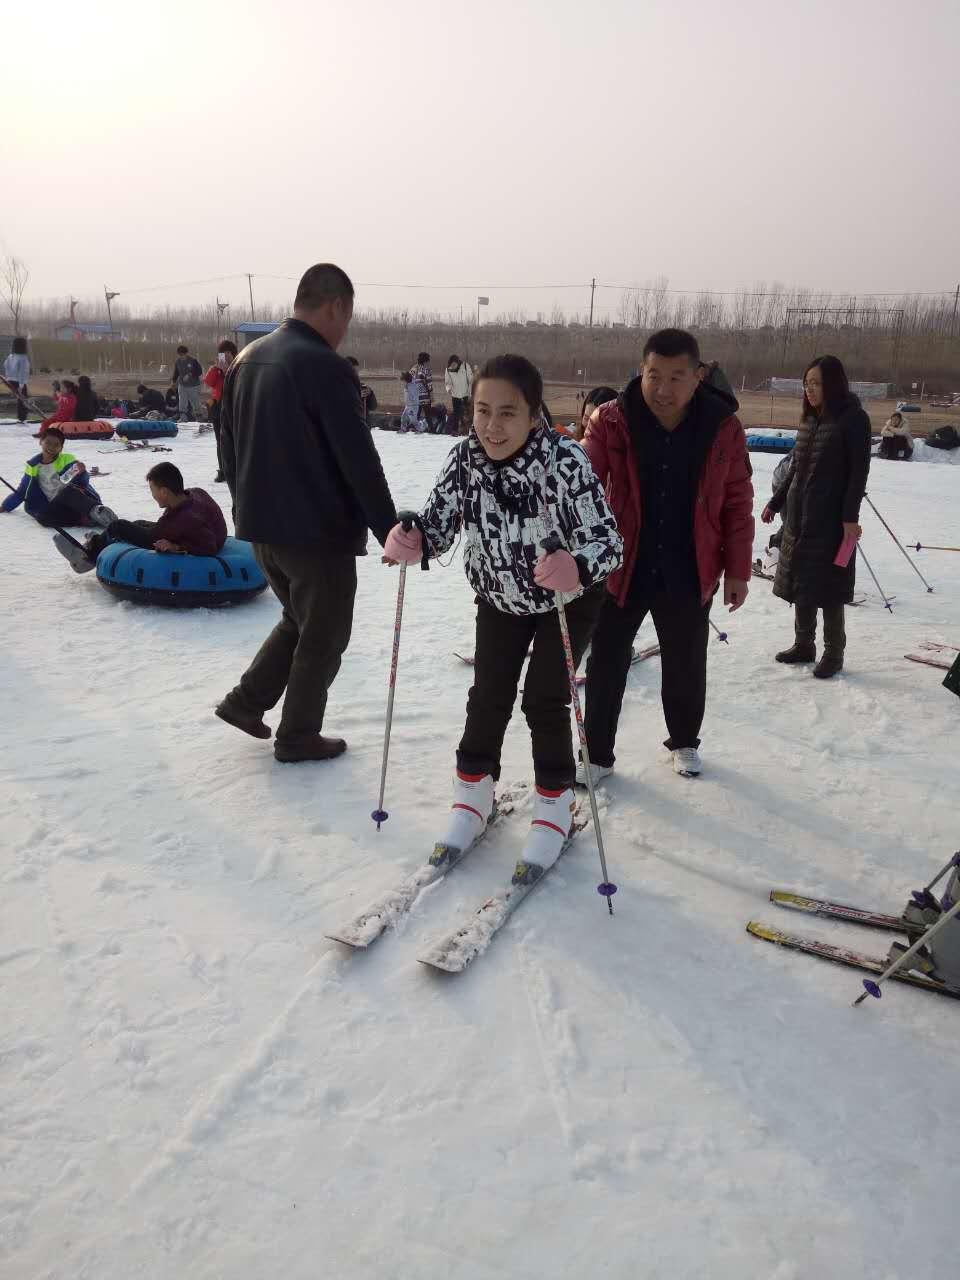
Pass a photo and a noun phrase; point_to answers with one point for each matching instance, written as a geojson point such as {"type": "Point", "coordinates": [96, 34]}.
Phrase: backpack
{"type": "Point", "coordinates": [944, 438]}
{"type": "Point", "coordinates": [196, 369]}
{"type": "Point", "coordinates": [951, 680]}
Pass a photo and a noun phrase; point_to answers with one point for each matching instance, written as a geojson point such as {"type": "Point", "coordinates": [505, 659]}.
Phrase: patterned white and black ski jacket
{"type": "Point", "coordinates": [505, 511]}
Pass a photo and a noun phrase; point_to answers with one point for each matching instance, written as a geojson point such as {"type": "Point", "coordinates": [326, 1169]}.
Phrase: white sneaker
{"type": "Point", "coordinates": [597, 773]}
{"type": "Point", "coordinates": [102, 516]}
{"type": "Point", "coordinates": [686, 762]}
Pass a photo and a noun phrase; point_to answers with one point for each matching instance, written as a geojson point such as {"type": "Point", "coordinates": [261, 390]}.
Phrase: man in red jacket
{"type": "Point", "coordinates": [672, 456]}
{"type": "Point", "coordinates": [191, 523]}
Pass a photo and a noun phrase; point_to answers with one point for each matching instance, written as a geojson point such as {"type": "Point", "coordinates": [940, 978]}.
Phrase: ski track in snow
{"type": "Point", "coordinates": [194, 1082]}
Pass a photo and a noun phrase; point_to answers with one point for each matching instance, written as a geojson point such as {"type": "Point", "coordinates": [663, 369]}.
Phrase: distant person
{"type": "Point", "coordinates": [171, 399]}
{"type": "Point", "coordinates": [87, 405]}
{"type": "Point", "coordinates": [458, 380]}
{"type": "Point", "coordinates": [47, 498]}
{"type": "Point", "coordinates": [368, 401]}
{"type": "Point", "coordinates": [673, 459]}
{"type": "Point", "coordinates": [187, 372]}
{"type": "Point", "coordinates": [214, 379]}
{"type": "Point", "coordinates": [896, 442]}
{"type": "Point", "coordinates": [593, 401]}
{"type": "Point", "coordinates": [16, 371]}
{"type": "Point", "coordinates": [821, 499]}
{"type": "Point", "coordinates": [307, 484]}
{"type": "Point", "coordinates": [410, 414]}
{"type": "Point", "coordinates": [66, 410]}
{"type": "Point", "coordinates": [150, 401]}
{"type": "Point", "coordinates": [423, 378]}
{"type": "Point", "coordinates": [191, 523]}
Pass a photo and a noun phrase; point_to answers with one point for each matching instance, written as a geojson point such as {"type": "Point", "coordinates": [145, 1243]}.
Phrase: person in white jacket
{"type": "Point", "coordinates": [458, 380]}
{"type": "Point", "coordinates": [16, 371]}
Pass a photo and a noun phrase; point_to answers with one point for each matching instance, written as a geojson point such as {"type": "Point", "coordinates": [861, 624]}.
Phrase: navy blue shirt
{"type": "Point", "coordinates": [666, 556]}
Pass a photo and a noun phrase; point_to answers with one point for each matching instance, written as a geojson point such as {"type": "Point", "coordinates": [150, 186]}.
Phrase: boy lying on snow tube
{"type": "Point", "coordinates": [47, 498]}
{"type": "Point", "coordinates": [191, 524]}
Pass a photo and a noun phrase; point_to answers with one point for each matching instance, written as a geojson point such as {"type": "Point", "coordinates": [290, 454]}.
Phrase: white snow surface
{"type": "Point", "coordinates": [196, 1083]}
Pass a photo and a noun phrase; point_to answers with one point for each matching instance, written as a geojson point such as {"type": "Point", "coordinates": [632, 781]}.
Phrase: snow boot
{"type": "Point", "coordinates": [834, 643]}
{"type": "Point", "coordinates": [552, 819]}
{"type": "Point", "coordinates": [472, 809]}
{"type": "Point", "coordinates": [804, 647]}
{"type": "Point", "coordinates": [79, 561]}
{"type": "Point", "coordinates": [314, 747]}
{"type": "Point", "coordinates": [597, 773]}
{"type": "Point", "coordinates": [248, 721]}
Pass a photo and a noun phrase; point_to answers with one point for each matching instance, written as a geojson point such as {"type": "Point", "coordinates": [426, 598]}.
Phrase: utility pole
{"type": "Point", "coordinates": [953, 322]}
{"type": "Point", "coordinates": [109, 297]}
{"type": "Point", "coordinates": [593, 290]}
{"type": "Point", "coordinates": [221, 308]}
{"type": "Point", "coordinates": [250, 287]}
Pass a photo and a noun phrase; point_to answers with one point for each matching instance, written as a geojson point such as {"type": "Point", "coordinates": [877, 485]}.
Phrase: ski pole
{"type": "Point", "coordinates": [872, 988]}
{"type": "Point", "coordinates": [886, 602]}
{"type": "Point", "coordinates": [380, 814]}
{"type": "Point", "coordinates": [924, 897]}
{"type": "Point", "coordinates": [899, 544]}
{"type": "Point", "coordinates": [922, 546]}
{"type": "Point", "coordinates": [69, 536]}
{"type": "Point", "coordinates": [550, 544]}
{"type": "Point", "coordinates": [721, 635]}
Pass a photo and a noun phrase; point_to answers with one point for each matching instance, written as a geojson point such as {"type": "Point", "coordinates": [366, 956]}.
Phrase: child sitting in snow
{"type": "Point", "coordinates": [508, 486]}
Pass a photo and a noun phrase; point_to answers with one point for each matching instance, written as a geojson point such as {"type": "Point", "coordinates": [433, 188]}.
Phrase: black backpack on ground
{"type": "Point", "coordinates": [944, 438]}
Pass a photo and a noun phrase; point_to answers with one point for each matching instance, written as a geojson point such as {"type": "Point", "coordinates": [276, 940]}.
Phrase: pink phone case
{"type": "Point", "coordinates": [847, 548]}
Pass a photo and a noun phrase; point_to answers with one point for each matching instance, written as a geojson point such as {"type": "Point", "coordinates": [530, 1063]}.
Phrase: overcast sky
{"type": "Point", "coordinates": [503, 142]}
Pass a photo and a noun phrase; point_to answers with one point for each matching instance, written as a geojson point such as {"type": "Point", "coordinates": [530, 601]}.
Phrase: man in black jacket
{"type": "Point", "coordinates": [307, 484]}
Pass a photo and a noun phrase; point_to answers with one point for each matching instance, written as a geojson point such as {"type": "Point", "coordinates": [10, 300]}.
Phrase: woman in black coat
{"type": "Point", "coordinates": [821, 498]}
{"type": "Point", "coordinates": [86, 409]}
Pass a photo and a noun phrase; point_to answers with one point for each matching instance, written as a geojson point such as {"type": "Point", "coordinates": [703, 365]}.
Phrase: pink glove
{"type": "Point", "coordinates": [557, 572]}
{"type": "Point", "coordinates": [403, 545]}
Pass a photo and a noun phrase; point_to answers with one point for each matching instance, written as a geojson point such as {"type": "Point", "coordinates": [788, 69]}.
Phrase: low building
{"type": "Point", "coordinates": [250, 330]}
{"type": "Point", "coordinates": [75, 331]}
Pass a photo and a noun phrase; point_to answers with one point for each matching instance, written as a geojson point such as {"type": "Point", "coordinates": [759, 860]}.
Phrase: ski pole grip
{"type": "Point", "coordinates": [551, 543]}
{"type": "Point", "coordinates": [409, 519]}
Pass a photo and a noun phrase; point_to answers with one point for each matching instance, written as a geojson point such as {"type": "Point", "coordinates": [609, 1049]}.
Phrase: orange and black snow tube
{"type": "Point", "coordinates": [85, 430]}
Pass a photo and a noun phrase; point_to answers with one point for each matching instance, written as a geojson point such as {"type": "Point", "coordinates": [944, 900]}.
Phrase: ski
{"type": "Point", "coordinates": [935, 647]}
{"type": "Point", "coordinates": [845, 956]}
{"type": "Point", "coordinates": [837, 911]}
{"type": "Point", "coordinates": [928, 661]}
{"type": "Point", "coordinates": [468, 940]}
{"type": "Point", "coordinates": [384, 912]}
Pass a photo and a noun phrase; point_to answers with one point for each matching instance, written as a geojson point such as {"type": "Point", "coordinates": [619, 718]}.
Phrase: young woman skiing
{"type": "Point", "coordinates": [507, 487]}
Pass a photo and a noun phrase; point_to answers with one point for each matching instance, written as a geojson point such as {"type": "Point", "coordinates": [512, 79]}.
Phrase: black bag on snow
{"type": "Point", "coordinates": [951, 680]}
{"type": "Point", "coordinates": [944, 438]}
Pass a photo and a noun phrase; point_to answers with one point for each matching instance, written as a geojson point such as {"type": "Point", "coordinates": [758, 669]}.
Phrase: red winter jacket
{"type": "Point", "coordinates": [66, 411]}
{"type": "Point", "coordinates": [723, 514]}
{"type": "Point", "coordinates": [197, 525]}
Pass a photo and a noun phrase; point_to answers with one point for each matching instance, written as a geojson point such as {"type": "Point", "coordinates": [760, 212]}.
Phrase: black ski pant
{"type": "Point", "coordinates": [503, 640]}
{"type": "Point", "coordinates": [139, 533]}
{"type": "Point", "coordinates": [683, 628]}
{"type": "Point", "coordinates": [71, 506]}
{"type": "Point", "coordinates": [459, 408]}
{"type": "Point", "coordinates": [213, 414]}
{"type": "Point", "coordinates": [21, 389]}
{"type": "Point", "coordinates": [302, 654]}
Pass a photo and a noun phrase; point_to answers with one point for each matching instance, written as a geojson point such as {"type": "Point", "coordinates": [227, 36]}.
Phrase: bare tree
{"type": "Point", "coordinates": [13, 283]}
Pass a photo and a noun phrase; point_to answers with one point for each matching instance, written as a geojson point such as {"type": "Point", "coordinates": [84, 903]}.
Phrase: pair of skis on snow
{"type": "Point", "coordinates": [933, 658]}
{"type": "Point", "coordinates": [453, 951]}
{"type": "Point", "coordinates": [839, 954]}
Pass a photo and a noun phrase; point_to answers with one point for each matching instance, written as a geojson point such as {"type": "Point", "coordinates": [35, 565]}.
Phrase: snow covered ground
{"type": "Point", "coordinates": [195, 1083]}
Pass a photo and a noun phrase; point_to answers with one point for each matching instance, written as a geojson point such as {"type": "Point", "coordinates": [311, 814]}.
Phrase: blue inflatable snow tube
{"type": "Point", "coordinates": [770, 441]}
{"type": "Point", "coordinates": [180, 581]}
{"type": "Point", "coordinates": [146, 428]}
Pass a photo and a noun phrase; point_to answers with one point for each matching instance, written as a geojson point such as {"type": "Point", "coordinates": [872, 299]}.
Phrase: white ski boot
{"type": "Point", "coordinates": [472, 810]}
{"type": "Point", "coordinates": [597, 773]}
{"type": "Point", "coordinates": [549, 830]}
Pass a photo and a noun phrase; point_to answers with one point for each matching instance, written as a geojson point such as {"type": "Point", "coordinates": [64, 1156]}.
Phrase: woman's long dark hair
{"type": "Point", "coordinates": [836, 386]}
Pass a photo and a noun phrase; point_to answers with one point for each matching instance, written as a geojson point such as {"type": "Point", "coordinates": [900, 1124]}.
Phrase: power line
{"type": "Point", "coordinates": [775, 293]}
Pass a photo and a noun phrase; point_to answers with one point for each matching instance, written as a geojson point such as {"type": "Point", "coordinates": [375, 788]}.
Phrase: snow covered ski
{"type": "Point", "coordinates": [384, 912]}
{"type": "Point", "coordinates": [928, 661]}
{"type": "Point", "coordinates": [837, 911]}
{"type": "Point", "coordinates": [845, 956]}
{"type": "Point", "coordinates": [469, 939]}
